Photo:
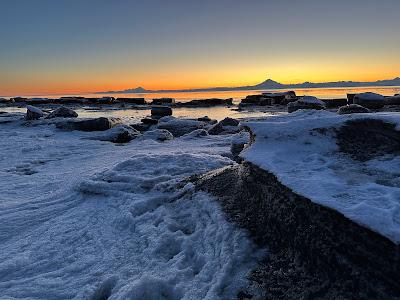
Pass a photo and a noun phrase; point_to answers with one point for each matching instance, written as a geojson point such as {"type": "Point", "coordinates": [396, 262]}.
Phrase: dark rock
{"type": "Point", "coordinates": [395, 100]}
{"type": "Point", "coordinates": [350, 98]}
{"type": "Point", "coordinates": [369, 100]}
{"type": "Point", "coordinates": [141, 127]}
{"type": "Point", "coordinates": [5, 101]}
{"type": "Point", "coordinates": [329, 103]}
{"type": "Point", "coordinates": [256, 100]}
{"type": "Point", "coordinates": [196, 133]}
{"type": "Point", "coordinates": [98, 124]}
{"type": "Point", "coordinates": [313, 252]}
{"type": "Point", "coordinates": [149, 121]}
{"type": "Point", "coordinates": [19, 99]}
{"type": "Point", "coordinates": [204, 119]}
{"type": "Point", "coordinates": [161, 111]}
{"type": "Point", "coordinates": [106, 100]}
{"type": "Point", "coordinates": [162, 101]}
{"type": "Point", "coordinates": [137, 101]}
{"type": "Point", "coordinates": [352, 109]}
{"type": "Point", "coordinates": [206, 102]}
{"type": "Point", "coordinates": [365, 139]}
{"type": "Point", "coordinates": [229, 122]}
{"type": "Point", "coordinates": [33, 113]}
{"type": "Point", "coordinates": [62, 112]}
{"type": "Point", "coordinates": [71, 100]}
{"type": "Point", "coordinates": [33, 101]}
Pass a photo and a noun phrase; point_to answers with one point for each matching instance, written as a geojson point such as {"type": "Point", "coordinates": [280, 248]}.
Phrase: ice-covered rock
{"type": "Point", "coordinates": [157, 135]}
{"type": "Point", "coordinates": [118, 134]}
{"type": "Point", "coordinates": [306, 102]}
{"type": "Point", "coordinates": [196, 133]}
{"type": "Point", "coordinates": [179, 127]}
{"type": "Point", "coordinates": [352, 109]}
{"type": "Point", "coordinates": [161, 111]}
{"type": "Point", "coordinates": [348, 163]}
{"type": "Point", "coordinates": [369, 100]}
{"type": "Point", "coordinates": [98, 124]}
{"type": "Point", "coordinates": [225, 126]}
{"type": "Point", "coordinates": [33, 113]}
{"type": "Point", "coordinates": [62, 112]}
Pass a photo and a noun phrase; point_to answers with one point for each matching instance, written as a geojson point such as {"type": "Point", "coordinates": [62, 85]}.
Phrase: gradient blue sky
{"type": "Point", "coordinates": [76, 46]}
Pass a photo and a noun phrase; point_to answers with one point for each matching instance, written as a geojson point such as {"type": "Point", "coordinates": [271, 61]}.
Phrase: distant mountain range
{"type": "Point", "coordinates": [270, 84]}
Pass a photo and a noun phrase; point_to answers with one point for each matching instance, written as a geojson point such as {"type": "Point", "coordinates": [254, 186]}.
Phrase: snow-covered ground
{"type": "Point", "coordinates": [87, 219]}
{"type": "Point", "coordinates": [308, 161]}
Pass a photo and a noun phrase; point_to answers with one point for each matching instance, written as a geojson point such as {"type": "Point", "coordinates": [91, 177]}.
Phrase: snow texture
{"type": "Point", "coordinates": [86, 219]}
{"type": "Point", "coordinates": [307, 160]}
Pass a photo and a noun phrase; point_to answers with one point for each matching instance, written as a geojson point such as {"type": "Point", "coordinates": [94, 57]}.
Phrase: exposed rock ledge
{"type": "Point", "coordinates": [315, 252]}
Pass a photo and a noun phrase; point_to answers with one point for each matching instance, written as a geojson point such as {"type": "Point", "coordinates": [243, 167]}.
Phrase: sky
{"type": "Point", "coordinates": [72, 46]}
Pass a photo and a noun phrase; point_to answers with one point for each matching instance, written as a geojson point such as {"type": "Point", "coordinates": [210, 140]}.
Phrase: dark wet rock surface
{"type": "Point", "coordinates": [365, 139]}
{"type": "Point", "coordinates": [352, 109]}
{"type": "Point", "coordinates": [314, 252]}
{"type": "Point", "coordinates": [62, 112]}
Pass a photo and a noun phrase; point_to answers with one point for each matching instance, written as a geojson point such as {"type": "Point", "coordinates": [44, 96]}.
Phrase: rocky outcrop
{"type": "Point", "coordinates": [62, 112]}
{"type": "Point", "coordinates": [98, 124]}
{"type": "Point", "coordinates": [106, 100]}
{"type": "Point", "coordinates": [332, 103]}
{"type": "Point", "coordinates": [314, 252]}
{"type": "Point", "coordinates": [33, 113]}
{"type": "Point", "coordinates": [352, 109]}
{"type": "Point", "coordinates": [160, 135]}
{"type": "Point", "coordinates": [395, 100]}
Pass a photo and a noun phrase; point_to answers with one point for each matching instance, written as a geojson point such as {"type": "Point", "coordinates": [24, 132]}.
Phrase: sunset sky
{"type": "Point", "coordinates": [77, 46]}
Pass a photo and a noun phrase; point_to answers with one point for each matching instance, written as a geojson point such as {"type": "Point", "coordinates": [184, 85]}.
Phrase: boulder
{"type": "Point", "coordinates": [179, 127]}
{"type": "Point", "coordinates": [140, 126]}
{"type": "Point", "coordinates": [238, 143]}
{"type": "Point", "coordinates": [62, 112]}
{"type": "Point", "coordinates": [256, 100]}
{"type": "Point", "coordinates": [118, 134]}
{"type": "Point", "coordinates": [306, 102]}
{"type": "Point", "coordinates": [352, 109]}
{"type": "Point", "coordinates": [149, 121]}
{"type": "Point", "coordinates": [226, 126]}
{"type": "Point", "coordinates": [161, 111]}
{"type": "Point", "coordinates": [33, 113]}
{"type": "Point", "coordinates": [97, 124]}
{"type": "Point", "coordinates": [19, 99]}
{"type": "Point", "coordinates": [207, 120]}
{"type": "Point", "coordinates": [162, 101]}
{"type": "Point", "coordinates": [160, 135]}
{"type": "Point", "coordinates": [369, 100]}
{"type": "Point", "coordinates": [5, 101]}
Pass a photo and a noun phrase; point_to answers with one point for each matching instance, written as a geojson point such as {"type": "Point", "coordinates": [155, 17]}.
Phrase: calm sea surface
{"type": "Point", "coordinates": [213, 112]}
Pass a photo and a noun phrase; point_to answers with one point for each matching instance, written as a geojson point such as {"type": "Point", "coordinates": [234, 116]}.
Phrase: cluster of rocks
{"type": "Point", "coordinates": [161, 125]}
{"type": "Point", "coordinates": [269, 99]}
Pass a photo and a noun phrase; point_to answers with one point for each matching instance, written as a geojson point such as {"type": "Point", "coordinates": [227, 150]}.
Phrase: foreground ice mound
{"type": "Point", "coordinates": [120, 224]}
{"type": "Point", "coordinates": [307, 154]}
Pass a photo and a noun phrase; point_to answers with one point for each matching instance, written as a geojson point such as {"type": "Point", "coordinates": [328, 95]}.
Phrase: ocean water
{"type": "Point", "coordinates": [323, 93]}
{"type": "Point", "coordinates": [213, 112]}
